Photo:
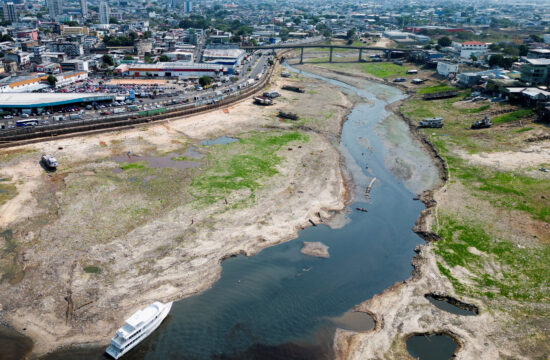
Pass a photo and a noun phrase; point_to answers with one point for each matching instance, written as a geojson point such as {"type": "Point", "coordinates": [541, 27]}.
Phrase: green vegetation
{"type": "Point", "coordinates": [504, 189]}
{"type": "Point", "coordinates": [497, 267]}
{"type": "Point", "coordinates": [475, 110]}
{"type": "Point", "coordinates": [384, 70]}
{"type": "Point", "coordinates": [7, 190]}
{"type": "Point", "coordinates": [436, 89]}
{"type": "Point", "coordinates": [512, 116]}
{"type": "Point", "coordinates": [129, 166]}
{"type": "Point", "coordinates": [241, 165]}
{"type": "Point", "coordinates": [182, 158]}
{"type": "Point", "coordinates": [92, 269]}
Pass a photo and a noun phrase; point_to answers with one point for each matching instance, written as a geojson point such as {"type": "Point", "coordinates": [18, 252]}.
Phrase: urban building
{"type": "Point", "coordinates": [69, 48]}
{"type": "Point", "coordinates": [10, 14]}
{"type": "Point", "coordinates": [171, 69]}
{"type": "Point", "coordinates": [535, 71]}
{"type": "Point", "coordinates": [55, 8]}
{"type": "Point", "coordinates": [104, 12]}
{"type": "Point", "coordinates": [445, 68]}
{"type": "Point", "coordinates": [187, 6]}
{"type": "Point", "coordinates": [84, 8]}
{"type": "Point", "coordinates": [469, 48]}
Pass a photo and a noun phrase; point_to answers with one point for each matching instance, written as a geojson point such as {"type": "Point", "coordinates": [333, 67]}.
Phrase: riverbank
{"type": "Point", "coordinates": [498, 234]}
{"type": "Point", "coordinates": [86, 246]}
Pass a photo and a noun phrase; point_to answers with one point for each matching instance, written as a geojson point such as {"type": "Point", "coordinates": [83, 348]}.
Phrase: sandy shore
{"type": "Point", "coordinates": [87, 253]}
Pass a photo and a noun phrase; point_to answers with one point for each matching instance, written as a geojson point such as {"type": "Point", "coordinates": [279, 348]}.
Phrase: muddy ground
{"type": "Point", "coordinates": [87, 245]}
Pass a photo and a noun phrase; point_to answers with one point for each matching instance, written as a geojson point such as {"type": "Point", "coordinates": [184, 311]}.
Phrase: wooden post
{"type": "Point", "coordinates": [330, 58]}
{"type": "Point", "coordinates": [302, 55]}
{"type": "Point", "coordinates": [360, 53]}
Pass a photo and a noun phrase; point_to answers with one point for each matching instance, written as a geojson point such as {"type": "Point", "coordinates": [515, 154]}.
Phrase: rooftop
{"type": "Point", "coordinates": [28, 100]}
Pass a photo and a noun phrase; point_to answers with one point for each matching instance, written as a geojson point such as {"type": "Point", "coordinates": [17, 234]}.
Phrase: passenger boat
{"type": "Point", "coordinates": [137, 327]}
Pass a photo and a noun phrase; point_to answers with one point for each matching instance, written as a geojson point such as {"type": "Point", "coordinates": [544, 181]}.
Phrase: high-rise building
{"type": "Point", "coordinates": [9, 12]}
{"type": "Point", "coordinates": [55, 8]}
{"type": "Point", "coordinates": [84, 8]}
{"type": "Point", "coordinates": [187, 6]}
{"type": "Point", "coordinates": [104, 12]}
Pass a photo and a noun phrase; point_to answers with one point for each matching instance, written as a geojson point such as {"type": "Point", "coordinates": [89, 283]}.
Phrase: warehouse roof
{"type": "Point", "coordinates": [30, 100]}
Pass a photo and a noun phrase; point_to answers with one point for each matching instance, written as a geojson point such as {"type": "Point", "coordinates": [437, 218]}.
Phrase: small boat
{"type": "Point", "coordinates": [137, 327]}
{"type": "Point", "coordinates": [49, 161]}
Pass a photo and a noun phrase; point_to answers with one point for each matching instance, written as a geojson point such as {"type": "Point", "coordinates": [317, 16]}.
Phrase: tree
{"type": "Point", "coordinates": [164, 58]}
{"type": "Point", "coordinates": [350, 34]}
{"type": "Point", "coordinates": [523, 50]}
{"type": "Point", "coordinates": [205, 80]}
{"type": "Point", "coordinates": [536, 38]}
{"type": "Point", "coordinates": [473, 57]}
{"type": "Point", "coordinates": [52, 80]}
{"type": "Point", "coordinates": [107, 59]}
{"type": "Point", "coordinates": [128, 57]}
{"type": "Point", "coordinates": [113, 20]}
{"type": "Point", "coordinates": [444, 41]}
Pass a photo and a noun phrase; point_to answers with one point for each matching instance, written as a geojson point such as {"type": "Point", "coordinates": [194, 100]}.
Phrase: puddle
{"type": "Point", "coordinates": [14, 346]}
{"type": "Point", "coordinates": [354, 321]}
{"type": "Point", "coordinates": [222, 140]}
{"type": "Point", "coordinates": [452, 305]}
{"type": "Point", "coordinates": [431, 347]}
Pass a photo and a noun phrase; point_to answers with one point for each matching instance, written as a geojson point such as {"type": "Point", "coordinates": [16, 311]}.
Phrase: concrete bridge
{"type": "Point", "coordinates": [387, 51]}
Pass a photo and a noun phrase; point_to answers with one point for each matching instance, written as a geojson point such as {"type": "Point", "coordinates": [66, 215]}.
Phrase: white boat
{"type": "Point", "coordinates": [137, 327]}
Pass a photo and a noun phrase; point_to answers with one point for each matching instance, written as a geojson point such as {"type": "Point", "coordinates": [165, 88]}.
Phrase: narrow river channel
{"type": "Point", "coordinates": [281, 304]}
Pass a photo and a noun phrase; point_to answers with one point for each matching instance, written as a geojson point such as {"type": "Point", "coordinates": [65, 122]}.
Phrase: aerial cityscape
{"type": "Point", "coordinates": [301, 180]}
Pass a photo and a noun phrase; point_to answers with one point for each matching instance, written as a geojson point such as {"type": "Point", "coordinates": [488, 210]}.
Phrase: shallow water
{"type": "Point", "coordinates": [282, 304]}
{"type": "Point", "coordinates": [222, 140]}
{"type": "Point", "coordinates": [435, 347]}
{"type": "Point", "coordinates": [453, 309]}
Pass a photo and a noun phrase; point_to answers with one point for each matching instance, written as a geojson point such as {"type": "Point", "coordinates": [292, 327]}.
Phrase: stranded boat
{"type": "Point", "coordinates": [49, 161]}
{"type": "Point", "coordinates": [137, 327]}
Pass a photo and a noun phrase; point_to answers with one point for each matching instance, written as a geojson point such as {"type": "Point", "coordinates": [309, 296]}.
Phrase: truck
{"type": "Point", "coordinates": [58, 118]}
{"type": "Point", "coordinates": [431, 123]}
{"type": "Point", "coordinates": [75, 117]}
{"type": "Point", "coordinates": [132, 108]}
{"type": "Point", "coordinates": [118, 111]}
{"type": "Point", "coordinates": [293, 88]}
{"type": "Point", "coordinates": [262, 100]}
{"type": "Point", "coordinates": [249, 82]}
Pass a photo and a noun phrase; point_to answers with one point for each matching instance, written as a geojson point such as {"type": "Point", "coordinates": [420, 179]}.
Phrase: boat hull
{"type": "Point", "coordinates": [117, 354]}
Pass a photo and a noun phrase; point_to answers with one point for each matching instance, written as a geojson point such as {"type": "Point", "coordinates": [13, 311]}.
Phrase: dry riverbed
{"type": "Point", "coordinates": [85, 246]}
{"type": "Point", "coordinates": [487, 230]}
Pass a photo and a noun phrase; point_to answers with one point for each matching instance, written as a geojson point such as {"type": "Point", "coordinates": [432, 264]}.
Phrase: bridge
{"type": "Point", "coordinates": [387, 51]}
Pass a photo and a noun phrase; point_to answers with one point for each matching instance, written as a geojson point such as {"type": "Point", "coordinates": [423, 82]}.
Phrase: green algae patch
{"type": "Point", "coordinates": [496, 267]}
{"type": "Point", "coordinates": [241, 165]}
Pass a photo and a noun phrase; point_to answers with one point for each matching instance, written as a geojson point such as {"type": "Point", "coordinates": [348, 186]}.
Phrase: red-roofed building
{"type": "Point", "coordinates": [469, 48]}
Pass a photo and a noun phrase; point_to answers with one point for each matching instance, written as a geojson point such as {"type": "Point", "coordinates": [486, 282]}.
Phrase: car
{"type": "Point", "coordinates": [25, 115]}
{"type": "Point", "coordinates": [399, 80]}
{"type": "Point", "coordinates": [104, 113]}
{"type": "Point", "coordinates": [8, 117]}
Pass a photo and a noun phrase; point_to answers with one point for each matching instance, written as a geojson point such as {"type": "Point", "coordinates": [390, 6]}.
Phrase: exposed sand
{"type": "Point", "coordinates": [316, 249]}
{"type": "Point", "coordinates": [170, 254]}
{"type": "Point", "coordinates": [531, 156]}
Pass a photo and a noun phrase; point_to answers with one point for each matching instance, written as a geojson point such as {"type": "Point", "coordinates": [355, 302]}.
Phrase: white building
{"type": "Point", "coordinates": [230, 58]}
{"type": "Point", "coordinates": [55, 8]}
{"type": "Point", "coordinates": [469, 48]}
{"type": "Point", "coordinates": [173, 69]}
{"type": "Point", "coordinates": [546, 38]}
{"type": "Point", "coordinates": [104, 12]}
{"type": "Point", "coordinates": [445, 68]}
